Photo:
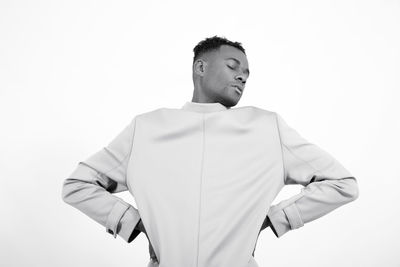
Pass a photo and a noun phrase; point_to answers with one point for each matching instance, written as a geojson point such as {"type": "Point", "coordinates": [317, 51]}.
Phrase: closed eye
{"type": "Point", "coordinates": [232, 68]}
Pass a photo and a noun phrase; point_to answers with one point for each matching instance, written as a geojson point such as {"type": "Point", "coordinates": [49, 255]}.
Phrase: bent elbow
{"type": "Point", "coordinates": [352, 189]}
{"type": "Point", "coordinates": [72, 191]}
{"type": "Point", "coordinates": [76, 186]}
{"type": "Point", "coordinates": [66, 191]}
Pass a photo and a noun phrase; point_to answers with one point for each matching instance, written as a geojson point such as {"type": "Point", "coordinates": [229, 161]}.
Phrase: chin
{"type": "Point", "coordinates": [229, 102]}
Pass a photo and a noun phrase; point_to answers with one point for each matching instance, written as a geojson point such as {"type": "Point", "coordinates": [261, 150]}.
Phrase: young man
{"type": "Point", "coordinates": [204, 176]}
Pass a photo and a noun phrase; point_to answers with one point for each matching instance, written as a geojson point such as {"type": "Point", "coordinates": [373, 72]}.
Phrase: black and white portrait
{"type": "Point", "coordinates": [199, 133]}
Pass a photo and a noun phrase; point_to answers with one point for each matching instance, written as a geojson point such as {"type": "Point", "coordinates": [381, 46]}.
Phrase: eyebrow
{"type": "Point", "coordinates": [238, 62]}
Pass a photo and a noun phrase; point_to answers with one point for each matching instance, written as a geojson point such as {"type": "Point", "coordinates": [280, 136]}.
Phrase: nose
{"type": "Point", "coordinates": [242, 78]}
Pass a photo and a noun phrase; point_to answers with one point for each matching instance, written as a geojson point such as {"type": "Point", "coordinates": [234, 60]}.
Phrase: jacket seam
{"type": "Point", "coordinates": [281, 144]}
{"type": "Point", "coordinates": [123, 159]}
{"type": "Point", "coordinates": [312, 167]}
{"type": "Point", "coordinates": [296, 156]}
{"type": "Point", "coordinates": [130, 151]}
{"type": "Point", "coordinates": [201, 184]}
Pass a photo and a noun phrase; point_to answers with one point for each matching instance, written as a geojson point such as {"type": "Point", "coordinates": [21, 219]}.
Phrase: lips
{"type": "Point", "coordinates": [238, 88]}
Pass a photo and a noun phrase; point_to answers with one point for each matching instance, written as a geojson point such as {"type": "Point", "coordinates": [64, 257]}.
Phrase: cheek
{"type": "Point", "coordinates": [219, 78]}
{"type": "Point", "coordinates": [223, 77]}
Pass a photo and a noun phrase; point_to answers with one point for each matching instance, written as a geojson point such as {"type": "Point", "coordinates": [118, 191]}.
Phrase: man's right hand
{"type": "Point", "coordinates": [266, 223]}
{"type": "Point", "coordinates": [141, 228]}
{"type": "Point", "coordinates": [152, 254]}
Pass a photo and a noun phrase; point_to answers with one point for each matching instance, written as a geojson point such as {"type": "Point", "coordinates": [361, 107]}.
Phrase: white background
{"type": "Point", "coordinates": [74, 73]}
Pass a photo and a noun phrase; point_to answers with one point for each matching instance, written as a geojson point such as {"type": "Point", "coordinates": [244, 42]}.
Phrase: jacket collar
{"type": "Point", "coordinates": [204, 107]}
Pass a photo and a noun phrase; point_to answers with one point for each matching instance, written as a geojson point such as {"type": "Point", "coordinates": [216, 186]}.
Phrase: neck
{"type": "Point", "coordinates": [200, 97]}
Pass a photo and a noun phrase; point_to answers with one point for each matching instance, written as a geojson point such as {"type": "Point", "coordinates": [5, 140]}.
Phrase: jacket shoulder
{"type": "Point", "coordinates": [164, 110]}
{"type": "Point", "coordinates": [149, 113]}
{"type": "Point", "coordinates": [259, 110]}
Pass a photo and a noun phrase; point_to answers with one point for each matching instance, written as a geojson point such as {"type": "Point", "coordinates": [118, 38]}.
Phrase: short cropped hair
{"type": "Point", "coordinates": [213, 43]}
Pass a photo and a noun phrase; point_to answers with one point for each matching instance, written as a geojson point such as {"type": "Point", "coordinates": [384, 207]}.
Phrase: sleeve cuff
{"type": "Point", "coordinates": [127, 225]}
{"type": "Point", "coordinates": [285, 219]}
{"type": "Point", "coordinates": [279, 223]}
{"type": "Point", "coordinates": [293, 216]}
{"type": "Point", "coordinates": [122, 221]}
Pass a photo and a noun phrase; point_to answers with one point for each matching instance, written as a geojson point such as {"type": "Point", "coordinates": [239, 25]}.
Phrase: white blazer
{"type": "Point", "coordinates": [203, 178]}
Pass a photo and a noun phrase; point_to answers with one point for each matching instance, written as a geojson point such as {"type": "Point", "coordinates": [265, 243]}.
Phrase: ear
{"type": "Point", "coordinates": [199, 67]}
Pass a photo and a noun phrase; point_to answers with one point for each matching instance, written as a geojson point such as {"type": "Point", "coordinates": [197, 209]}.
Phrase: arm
{"type": "Point", "coordinates": [327, 184]}
{"type": "Point", "coordinates": [90, 187]}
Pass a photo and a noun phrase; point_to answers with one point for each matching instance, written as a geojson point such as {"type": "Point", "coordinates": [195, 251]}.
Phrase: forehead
{"type": "Point", "coordinates": [226, 51]}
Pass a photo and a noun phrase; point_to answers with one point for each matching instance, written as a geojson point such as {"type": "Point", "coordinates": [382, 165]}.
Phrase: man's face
{"type": "Point", "coordinates": [225, 75]}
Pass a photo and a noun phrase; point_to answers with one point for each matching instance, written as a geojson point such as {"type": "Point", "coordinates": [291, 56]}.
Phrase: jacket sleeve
{"type": "Point", "coordinates": [327, 184]}
{"type": "Point", "coordinates": [91, 185]}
